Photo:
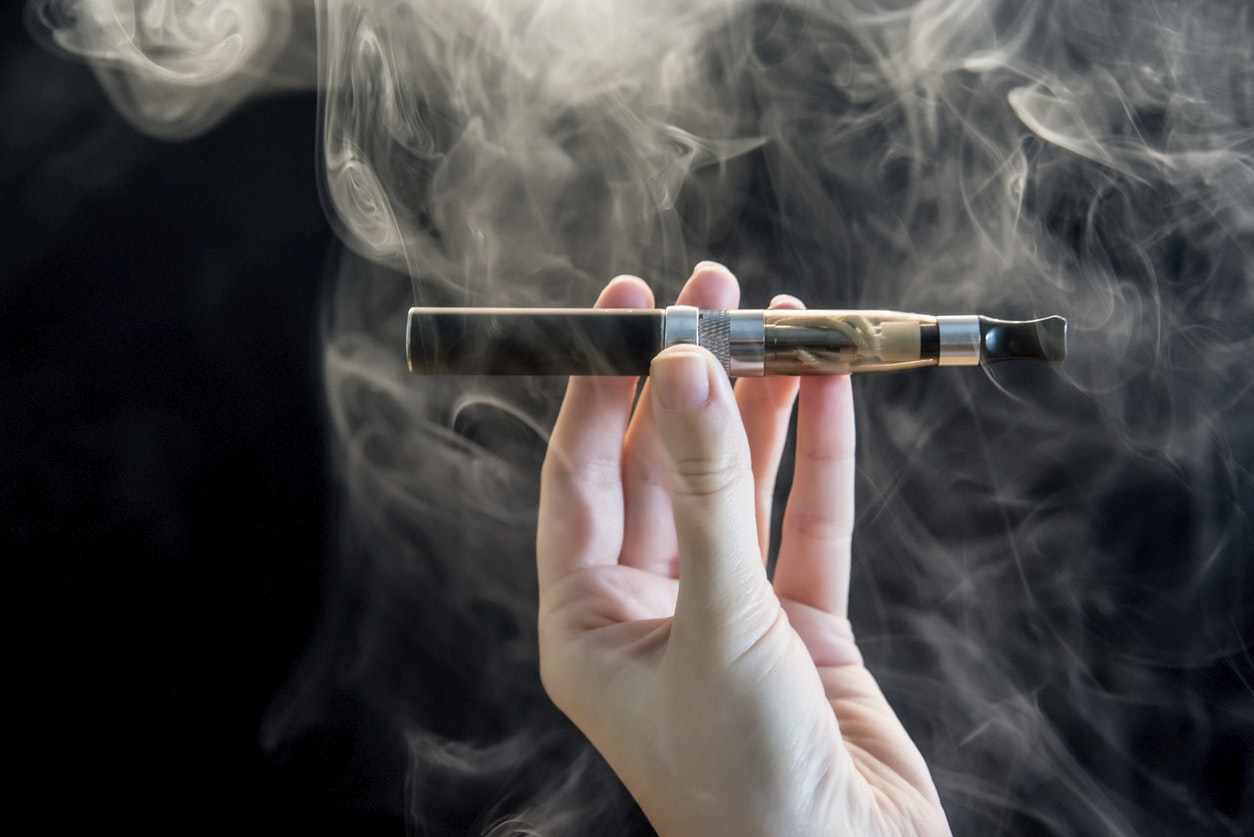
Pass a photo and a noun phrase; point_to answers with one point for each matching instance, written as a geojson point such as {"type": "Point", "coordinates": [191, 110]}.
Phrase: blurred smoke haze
{"type": "Point", "coordinates": [1051, 564]}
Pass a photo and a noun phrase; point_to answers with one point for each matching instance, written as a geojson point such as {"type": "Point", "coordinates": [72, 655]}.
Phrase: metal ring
{"type": "Point", "coordinates": [681, 325]}
{"type": "Point", "coordinates": [715, 334]}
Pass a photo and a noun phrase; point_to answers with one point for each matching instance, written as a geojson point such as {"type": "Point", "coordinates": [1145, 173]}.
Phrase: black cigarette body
{"type": "Point", "coordinates": [581, 341]}
{"type": "Point", "coordinates": [533, 341]}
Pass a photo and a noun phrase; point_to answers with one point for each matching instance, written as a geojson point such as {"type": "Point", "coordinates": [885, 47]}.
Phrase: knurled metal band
{"type": "Point", "coordinates": [715, 335]}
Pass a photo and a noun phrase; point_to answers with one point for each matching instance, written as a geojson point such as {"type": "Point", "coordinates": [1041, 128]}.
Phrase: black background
{"type": "Point", "coordinates": [165, 503]}
{"type": "Point", "coordinates": [163, 487]}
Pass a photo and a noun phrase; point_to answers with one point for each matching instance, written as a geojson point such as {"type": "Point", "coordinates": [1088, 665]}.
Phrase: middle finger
{"type": "Point", "coordinates": [766, 408]}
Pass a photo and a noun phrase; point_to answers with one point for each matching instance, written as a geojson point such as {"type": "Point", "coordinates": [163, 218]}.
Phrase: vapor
{"type": "Point", "coordinates": [1051, 573]}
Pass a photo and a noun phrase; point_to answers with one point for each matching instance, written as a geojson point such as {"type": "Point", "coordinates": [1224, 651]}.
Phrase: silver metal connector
{"type": "Point", "coordinates": [960, 340]}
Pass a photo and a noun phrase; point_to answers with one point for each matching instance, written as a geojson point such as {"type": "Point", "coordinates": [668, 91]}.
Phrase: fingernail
{"type": "Point", "coordinates": [681, 378]}
{"type": "Point", "coordinates": [785, 301]}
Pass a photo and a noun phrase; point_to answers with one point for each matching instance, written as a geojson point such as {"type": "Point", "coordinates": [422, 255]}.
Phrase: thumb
{"type": "Point", "coordinates": [724, 595]}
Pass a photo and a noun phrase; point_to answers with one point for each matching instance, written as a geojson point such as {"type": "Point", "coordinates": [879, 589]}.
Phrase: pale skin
{"type": "Point", "coordinates": [729, 703]}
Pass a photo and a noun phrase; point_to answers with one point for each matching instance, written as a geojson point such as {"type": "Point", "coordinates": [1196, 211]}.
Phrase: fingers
{"type": "Point", "coordinates": [766, 409]}
{"type": "Point", "coordinates": [813, 563]}
{"type": "Point", "coordinates": [581, 499]}
{"type": "Point", "coordinates": [722, 586]}
{"type": "Point", "coordinates": [649, 536]}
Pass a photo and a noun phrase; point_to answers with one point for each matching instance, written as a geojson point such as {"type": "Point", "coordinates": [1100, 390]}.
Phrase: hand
{"type": "Point", "coordinates": [728, 704]}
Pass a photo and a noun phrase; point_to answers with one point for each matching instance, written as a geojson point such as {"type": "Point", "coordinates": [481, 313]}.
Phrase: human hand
{"type": "Point", "coordinates": [727, 703]}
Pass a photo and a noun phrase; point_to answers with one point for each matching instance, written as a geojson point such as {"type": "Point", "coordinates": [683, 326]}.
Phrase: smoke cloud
{"type": "Point", "coordinates": [1052, 564]}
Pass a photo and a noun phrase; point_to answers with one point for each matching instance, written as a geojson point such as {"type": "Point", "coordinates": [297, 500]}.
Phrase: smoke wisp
{"type": "Point", "coordinates": [1052, 565]}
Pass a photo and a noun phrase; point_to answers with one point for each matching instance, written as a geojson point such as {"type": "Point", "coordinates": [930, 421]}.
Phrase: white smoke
{"type": "Point", "coordinates": [176, 68]}
{"type": "Point", "coordinates": [1050, 563]}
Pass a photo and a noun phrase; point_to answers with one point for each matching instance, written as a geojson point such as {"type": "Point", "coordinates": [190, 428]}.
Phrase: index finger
{"type": "Point", "coordinates": [581, 491]}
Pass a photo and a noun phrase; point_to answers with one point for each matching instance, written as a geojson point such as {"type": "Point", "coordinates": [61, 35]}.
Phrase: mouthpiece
{"type": "Point", "coordinates": [749, 343]}
{"type": "Point", "coordinates": [1043, 339]}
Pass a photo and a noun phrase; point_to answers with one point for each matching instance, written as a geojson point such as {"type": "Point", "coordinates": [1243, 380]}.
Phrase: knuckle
{"type": "Point", "coordinates": [590, 472]}
{"type": "Point", "coordinates": [703, 477]}
{"type": "Point", "coordinates": [819, 526]}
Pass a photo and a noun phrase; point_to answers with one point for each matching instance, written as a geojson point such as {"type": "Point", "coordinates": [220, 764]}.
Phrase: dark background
{"type": "Point", "coordinates": [163, 488]}
{"type": "Point", "coordinates": [166, 506]}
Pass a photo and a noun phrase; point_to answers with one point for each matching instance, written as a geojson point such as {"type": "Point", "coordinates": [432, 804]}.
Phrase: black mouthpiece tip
{"type": "Point", "coordinates": [1043, 339]}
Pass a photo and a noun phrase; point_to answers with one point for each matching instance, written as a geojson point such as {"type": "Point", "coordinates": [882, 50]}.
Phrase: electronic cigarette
{"type": "Point", "coordinates": [749, 343]}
